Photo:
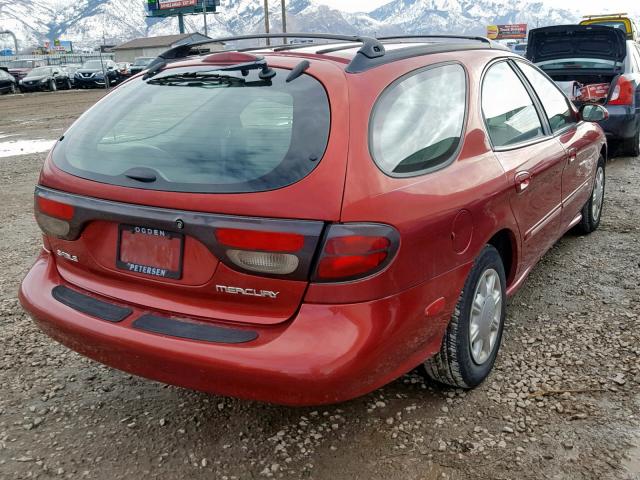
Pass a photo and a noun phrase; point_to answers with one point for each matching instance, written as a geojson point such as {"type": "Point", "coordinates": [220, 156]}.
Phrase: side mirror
{"type": "Point", "coordinates": [593, 113]}
{"type": "Point", "coordinates": [56, 72]}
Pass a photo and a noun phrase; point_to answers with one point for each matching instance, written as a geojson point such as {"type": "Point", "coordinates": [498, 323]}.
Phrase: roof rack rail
{"type": "Point", "coordinates": [371, 54]}
{"type": "Point", "coordinates": [371, 47]}
{"type": "Point", "coordinates": [452, 37]}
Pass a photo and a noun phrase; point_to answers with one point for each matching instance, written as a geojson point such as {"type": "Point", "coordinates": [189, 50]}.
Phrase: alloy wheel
{"type": "Point", "coordinates": [597, 198]}
{"type": "Point", "coordinates": [486, 316]}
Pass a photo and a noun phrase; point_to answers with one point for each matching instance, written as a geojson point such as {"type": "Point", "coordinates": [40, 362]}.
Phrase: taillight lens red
{"type": "Point", "coordinates": [263, 241]}
{"type": "Point", "coordinates": [272, 253]}
{"type": "Point", "coordinates": [356, 251]}
{"type": "Point", "coordinates": [55, 209]}
{"type": "Point", "coordinates": [623, 92]}
{"type": "Point", "coordinates": [53, 217]}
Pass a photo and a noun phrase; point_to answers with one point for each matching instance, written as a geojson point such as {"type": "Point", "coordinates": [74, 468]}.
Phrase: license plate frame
{"type": "Point", "coordinates": [151, 271]}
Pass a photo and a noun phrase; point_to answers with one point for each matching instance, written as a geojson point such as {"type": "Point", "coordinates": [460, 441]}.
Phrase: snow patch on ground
{"type": "Point", "coordinates": [24, 147]}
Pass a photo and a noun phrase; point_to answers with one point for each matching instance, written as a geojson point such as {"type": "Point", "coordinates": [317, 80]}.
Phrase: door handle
{"type": "Point", "coordinates": [523, 181]}
{"type": "Point", "coordinates": [572, 154]}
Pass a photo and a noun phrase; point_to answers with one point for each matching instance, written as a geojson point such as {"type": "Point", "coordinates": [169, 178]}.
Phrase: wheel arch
{"type": "Point", "coordinates": [505, 242]}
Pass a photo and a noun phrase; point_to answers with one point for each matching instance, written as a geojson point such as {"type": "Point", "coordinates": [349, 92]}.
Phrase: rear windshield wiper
{"type": "Point", "coordinates": [205, 79]}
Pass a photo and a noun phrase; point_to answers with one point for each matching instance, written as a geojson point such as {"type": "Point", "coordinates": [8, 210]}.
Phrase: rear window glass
{"type": "Point", "coordinates": [417, 123]}
{"type": "Point", "coordinates": [201, 130]}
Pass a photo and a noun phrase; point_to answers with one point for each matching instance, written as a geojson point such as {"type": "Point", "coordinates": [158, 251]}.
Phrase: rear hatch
{"type": "Point", "coordinates": [203, 191]}
{"type": "Point", "coordinates": [585, 61]}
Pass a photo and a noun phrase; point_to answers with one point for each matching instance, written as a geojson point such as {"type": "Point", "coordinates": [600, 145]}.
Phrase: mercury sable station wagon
{"type": "Point", "coordinates": [305, 223]}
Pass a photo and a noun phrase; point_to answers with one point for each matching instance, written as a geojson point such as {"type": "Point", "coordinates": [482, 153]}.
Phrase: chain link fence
{"type": "Point", "coordinates": [59, 59]}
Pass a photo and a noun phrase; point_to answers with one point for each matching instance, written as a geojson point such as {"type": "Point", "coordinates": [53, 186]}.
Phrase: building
{"type": "Point", "coordinates": [153, 46]}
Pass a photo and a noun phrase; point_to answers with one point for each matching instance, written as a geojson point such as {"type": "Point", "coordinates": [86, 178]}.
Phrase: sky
{"type": "Point", "coordinates": [592, 6]}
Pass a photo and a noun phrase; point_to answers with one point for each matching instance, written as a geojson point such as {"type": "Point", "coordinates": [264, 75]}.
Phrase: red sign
{"type": "Point", "coordinates": [516, 31]}
{"type": "Point", "coordinates": [167, 4]}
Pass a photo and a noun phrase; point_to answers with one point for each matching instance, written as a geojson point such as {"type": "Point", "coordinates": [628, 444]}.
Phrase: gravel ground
{"type": "Point", "coordinates": [563, 402]}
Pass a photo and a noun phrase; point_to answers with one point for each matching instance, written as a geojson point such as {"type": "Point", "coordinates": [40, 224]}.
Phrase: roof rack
{"type": "Point", "coordinates": [371, 54]}
{"type": "Point", "coordinates": [371, 47]}
{"type": "Point", "coordinates": [606, 15]}
{"type": "Point", "coordinates": [445, 37]}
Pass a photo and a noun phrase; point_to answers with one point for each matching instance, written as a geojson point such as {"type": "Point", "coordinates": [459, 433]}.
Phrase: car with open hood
{"type": "Point", "coordinates": [302, 224]}
{"type": "Point", "coordinates": [595, 64]}
{"type": "Point", "coordinates": [46, 78]}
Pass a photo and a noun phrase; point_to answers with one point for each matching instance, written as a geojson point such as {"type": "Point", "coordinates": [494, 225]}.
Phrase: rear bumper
{"type": "Point", "coordinates": [326, 354]}
{"type": "Point", "coordinates": [622, 123]}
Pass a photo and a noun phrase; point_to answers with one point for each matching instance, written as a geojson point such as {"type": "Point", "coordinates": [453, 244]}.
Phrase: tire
{"type": "Point", "coordinates": [52, 86]}
{"type": "Point", "coordinates": [13, 89]}
{"type": "Point", "coordinates": [456, 364]}
{"type": "Point", "coordinates": [592, 210]}
{"type": "Point", "coordinates": [631, 147]}
{"type": "Point", "coordinates": [68, 85]}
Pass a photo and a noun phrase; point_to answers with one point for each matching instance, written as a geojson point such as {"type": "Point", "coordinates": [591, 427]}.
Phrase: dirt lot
{"type": "Point", "coordinates": [563, 403]}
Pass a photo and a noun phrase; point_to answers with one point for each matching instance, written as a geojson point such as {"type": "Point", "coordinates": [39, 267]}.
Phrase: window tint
{"type": "Point", "coordinates": [417, 122]}
{"type": "Point", "coordinates": [508, 110]}
{"type": "Point", "coordinates": [216, 132]}
{"type": "Point", "coordinates": [555, 104]}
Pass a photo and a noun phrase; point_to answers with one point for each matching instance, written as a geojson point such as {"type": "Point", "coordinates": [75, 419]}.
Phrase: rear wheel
{"type": "Point", "coordinates": [472, 339]}
{"type": "Point", "coordinates": [592, 210]}
{"type": "Point", "coordinates": [52, 86]}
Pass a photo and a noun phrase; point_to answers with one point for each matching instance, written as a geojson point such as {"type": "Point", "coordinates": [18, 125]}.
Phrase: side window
{"type": "Point", "coordinates": [555, 104]}
{"type": "Point", "coordinates": [509, 112]}
{"type": "Point", "coordinates": [417, 123]}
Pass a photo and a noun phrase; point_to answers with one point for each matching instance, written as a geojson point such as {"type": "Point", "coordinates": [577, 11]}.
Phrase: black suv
{"type": "Point", "coordinates": [92, 74]}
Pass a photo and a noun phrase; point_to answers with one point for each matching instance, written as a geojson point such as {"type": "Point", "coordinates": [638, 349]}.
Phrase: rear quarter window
{"type": "Point", "coordinates": [417, 123]}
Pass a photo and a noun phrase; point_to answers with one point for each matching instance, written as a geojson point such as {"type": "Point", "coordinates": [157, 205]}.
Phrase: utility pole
{"type": "Point", "coordinates": [284, 20]}
{"type": "Point", "coordinates": [204, 12]}
{"type": "Point", "coordinates": [266, 20]}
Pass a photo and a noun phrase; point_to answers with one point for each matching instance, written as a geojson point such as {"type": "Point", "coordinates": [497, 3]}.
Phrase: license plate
{"type": "Point", "coordinates": [150, 251]}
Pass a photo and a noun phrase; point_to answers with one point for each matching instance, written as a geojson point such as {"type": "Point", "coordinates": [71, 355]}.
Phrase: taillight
{"type": "Point", "coordinates": [273, 253]}
{"type": "Point", "coordinates": [354, 251]}
{"type": "Point", "coordinates": [53, 217]}
{"type": "Point", "coordinates": [623, 92]}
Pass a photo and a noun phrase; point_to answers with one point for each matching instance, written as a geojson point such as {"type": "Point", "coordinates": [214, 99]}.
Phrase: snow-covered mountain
{"type": "Point", "coordinates": [90, 22]}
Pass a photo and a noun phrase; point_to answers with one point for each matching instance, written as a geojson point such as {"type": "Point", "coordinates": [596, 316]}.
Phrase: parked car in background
{"type": "Point", "coordinates": [92, 74]}
{"type": "Point", "coordinates": [71, 70]}
{"type": "Point", "coordinates": [621, 21]}
{"type": "Point", "coordinates": [124, 69]}
{"type": "Point", "coordinates": [140, 64]}
{"type": "Point", "coordinates": [520, 49]}
{"type": "Point", "coordinates": [46, 78]}
{"type": "Point", "coordinates": [595, 64]}
{"type": "Point", "coordinates": [20, 68]}
{"type": "Point", "coordinates": [200, 256]}
{"type": "Point", "coordinates": [8, 84]}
